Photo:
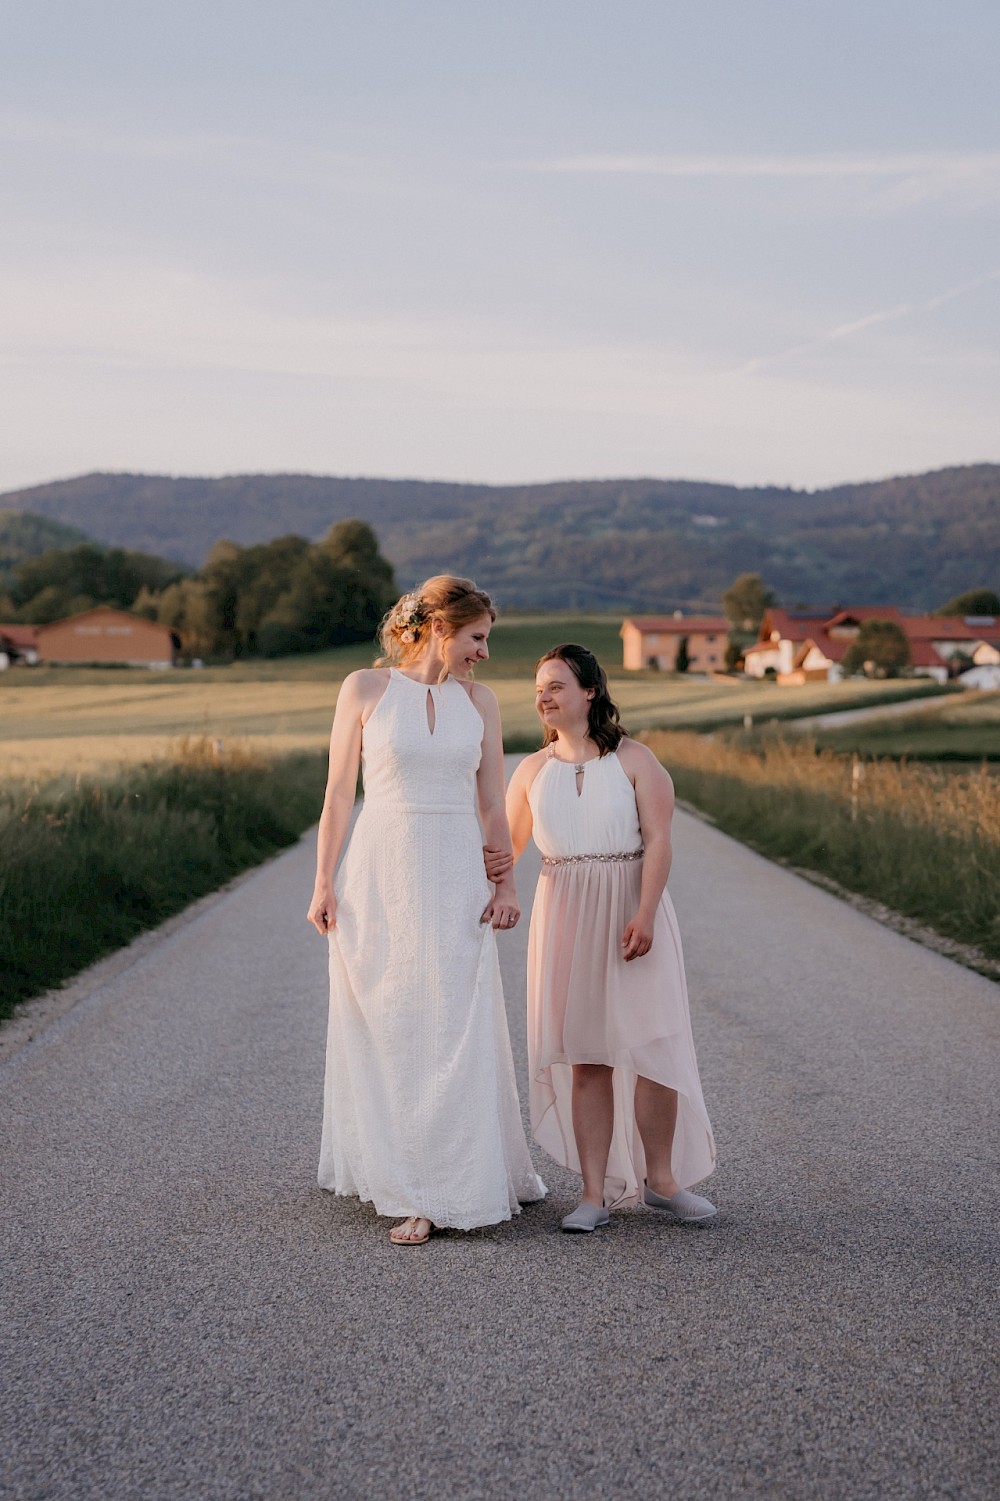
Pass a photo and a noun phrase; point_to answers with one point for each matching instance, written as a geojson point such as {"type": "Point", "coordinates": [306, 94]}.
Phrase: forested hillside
{"type": "Point", "coordinates": [25, 536]}
{"type": "Point", "coordinates": [636, 544]}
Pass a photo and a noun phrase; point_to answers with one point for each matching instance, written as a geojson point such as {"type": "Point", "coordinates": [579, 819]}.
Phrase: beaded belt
{"type": "Point", "coordinates": [587, 859]}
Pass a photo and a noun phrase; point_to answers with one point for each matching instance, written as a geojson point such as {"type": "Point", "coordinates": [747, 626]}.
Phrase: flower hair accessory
{"type": "Point", "coordinates": [408, 617]}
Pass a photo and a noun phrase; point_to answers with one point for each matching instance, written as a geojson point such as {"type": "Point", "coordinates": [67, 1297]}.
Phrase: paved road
{"type": "Point", "coordinates": [840, 718]}
{"type": "Point", "coordinates": [184, 1314]}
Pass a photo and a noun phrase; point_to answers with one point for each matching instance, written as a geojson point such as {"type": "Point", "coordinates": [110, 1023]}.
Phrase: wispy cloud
{"type": "Point", "coordinates": [871, 320]}
{"type": "Point", "coordinates": [939, 163]}
{"type": "Point", "coordinates": [970, 178]}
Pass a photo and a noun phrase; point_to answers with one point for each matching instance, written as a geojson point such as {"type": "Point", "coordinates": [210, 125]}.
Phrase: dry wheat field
{"type": "Point", "coordinates": [63, 721]}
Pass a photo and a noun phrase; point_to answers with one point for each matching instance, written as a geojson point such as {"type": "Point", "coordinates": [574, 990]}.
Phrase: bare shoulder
{"type": "Point", "coordinates": [364, 687]}
{"type": "Point", "coordinates": [484, 698]}
{"type": "Point", "coordinates": [638, 760]}
{"type": "Point", "coordinates": [365, 680]}
{"type": "Point", "coordinates": [485, 701]}
{"type": "Point", "coordinates": [527, 769]}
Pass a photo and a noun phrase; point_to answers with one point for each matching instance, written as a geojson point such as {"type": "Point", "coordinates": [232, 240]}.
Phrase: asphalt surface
{"type": "Point", "coordinates": [185, 1314]}
{"type": "Point", "coordinates": [841, 717]}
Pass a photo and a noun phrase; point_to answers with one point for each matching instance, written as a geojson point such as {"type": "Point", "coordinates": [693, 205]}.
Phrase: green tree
{"type": "Point", "coordinates": [65, 580]}
{"type": "Point", "coordinates": [972, 602]}
{"type": "Point", "coordinates": [191, 608]}
{"type": "Point", "coordinates": [262, 574]}
{"type": "Point", "coordinates": [734, 654]}
{"type": "Point", "coordinates": [311, 612]}
{"type": "Point", "coordinates": [370, 585]}
{"type": "Point", "coordinates": [682, 661]}
{"type": "Point", "coordinates": [287, 595]}
{"type": "Point", "coordinates": [54, 602]}
{"type": "Point", "coordinates": [879, 650]}
{"type": "Point", "coordinates": [745, 601]}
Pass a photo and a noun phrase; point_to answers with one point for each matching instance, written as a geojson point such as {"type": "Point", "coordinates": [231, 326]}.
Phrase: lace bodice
{"type": "Point", "coordinates": [421, 1113]}
{"type": "Point", "coordinates": [601, 820]}
{"type": "Point", "coordinates": [405, 764]}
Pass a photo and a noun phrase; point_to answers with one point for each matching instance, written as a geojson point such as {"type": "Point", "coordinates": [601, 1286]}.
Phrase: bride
{"type": "Point", "coordinates": [421, 1112]}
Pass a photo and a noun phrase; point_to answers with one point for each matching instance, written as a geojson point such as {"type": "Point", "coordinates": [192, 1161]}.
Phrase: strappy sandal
{"type": "Point", "coordinates": [399, 1239]}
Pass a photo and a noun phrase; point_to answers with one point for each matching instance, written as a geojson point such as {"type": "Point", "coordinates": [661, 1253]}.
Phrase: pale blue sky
{"type": "Point", "coordinates": [752, 240]}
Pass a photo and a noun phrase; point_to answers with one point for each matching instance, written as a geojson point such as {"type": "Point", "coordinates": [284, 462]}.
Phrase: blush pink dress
{"type": "Point", "coordinates": [585, 1004]}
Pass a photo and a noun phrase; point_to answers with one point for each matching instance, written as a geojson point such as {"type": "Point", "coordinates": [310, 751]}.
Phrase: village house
{"type": "Point", "coordinates": [18, 643]}
{"type": "Point", "coordinates": [108, 636]}
{"type": "Point", "coordinates": [801, 646]}
{"type": "Point", "coordinates": [654, 640]}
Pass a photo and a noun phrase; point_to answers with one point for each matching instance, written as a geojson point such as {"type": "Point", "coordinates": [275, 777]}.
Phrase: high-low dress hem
{"type": "Point", "coordinates": [585, 1003]}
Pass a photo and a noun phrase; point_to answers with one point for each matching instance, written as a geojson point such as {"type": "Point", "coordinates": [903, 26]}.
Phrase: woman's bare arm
{"type": "Point", "coordinates": [518, 808]}
{"type": "Point", "coordinates": [654, 797]}
{"type": "Point", "coordinates": [503, 911]}
{"type": "Point", "coordinates": [498, 862]}
{"type": "Point", "coordinates": [353, 702]}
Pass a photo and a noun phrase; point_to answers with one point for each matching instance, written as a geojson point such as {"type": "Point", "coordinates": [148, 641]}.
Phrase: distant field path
{"type": "Point", "coordinates": [184, 1314]}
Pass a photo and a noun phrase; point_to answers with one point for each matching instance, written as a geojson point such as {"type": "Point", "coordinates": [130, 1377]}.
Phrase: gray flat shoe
{"type": "Point", "coordinates": [585, 1218]}
{"type": "Point", "coordinates": [687, 1207]}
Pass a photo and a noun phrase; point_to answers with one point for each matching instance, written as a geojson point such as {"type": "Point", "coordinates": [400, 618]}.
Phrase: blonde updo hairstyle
{"type": "Point", "coordinates": [406, 630]}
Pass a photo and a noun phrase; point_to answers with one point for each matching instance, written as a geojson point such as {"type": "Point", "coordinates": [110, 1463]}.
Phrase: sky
{"type": "Point", "coordinates": [753, 241]}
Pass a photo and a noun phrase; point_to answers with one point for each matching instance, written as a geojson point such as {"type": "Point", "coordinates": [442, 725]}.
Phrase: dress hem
{"type": "Point", "coordinates": [440, 1224]}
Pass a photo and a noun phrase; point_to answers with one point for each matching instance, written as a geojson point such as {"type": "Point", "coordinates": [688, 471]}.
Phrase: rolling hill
{"type": "Point", "coordinates": [635, 544]}
{"type": "Point", "coordinates": [23, 535]}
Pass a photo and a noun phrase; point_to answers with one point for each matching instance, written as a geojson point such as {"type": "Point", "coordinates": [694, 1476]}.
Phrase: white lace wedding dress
{"type": "Point", "coordinates": [421, 1111]}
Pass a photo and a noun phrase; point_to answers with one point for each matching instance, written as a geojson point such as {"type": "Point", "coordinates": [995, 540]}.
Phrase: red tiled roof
{"type": "Point", "coordinates": [20, 635]}
{"type": "Point", "coordinates": [800, 626]}
{"type": "Point", "coordinates": [948, 628]}
{"type": "Point", "coordinates": [834, 648]}
{"type": "Point", "coordinates": [922, 654]}
{"type": "Point", "coordinates": [792, 626]}
{"type": "Point", "coordinates": [861, 613]}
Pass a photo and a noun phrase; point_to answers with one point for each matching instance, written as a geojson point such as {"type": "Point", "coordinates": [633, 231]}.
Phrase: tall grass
{"type": "Point", "coordinates": [87, 864]}
{"type": "Point", "coordinates": [922, 840]}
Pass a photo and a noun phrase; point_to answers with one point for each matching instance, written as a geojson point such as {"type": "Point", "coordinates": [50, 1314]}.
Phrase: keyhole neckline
{"type": "Point", "coordinates": [418, 682]}
{"type": "Point", "coordinates": [428, 691]}
{"type": "Point", "coordinates": [577, 766]}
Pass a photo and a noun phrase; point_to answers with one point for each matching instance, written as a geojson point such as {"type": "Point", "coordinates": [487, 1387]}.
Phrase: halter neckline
{"type": "Point", "coordinates": [576, 765]}
{"type": "Point", "coordinates": [418, 683]}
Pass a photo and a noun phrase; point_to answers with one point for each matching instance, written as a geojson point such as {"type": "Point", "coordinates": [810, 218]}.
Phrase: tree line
{"type": "Point", "coordinates": [287, 595]}
{"type": "Point", "coordinates": [291, 595]}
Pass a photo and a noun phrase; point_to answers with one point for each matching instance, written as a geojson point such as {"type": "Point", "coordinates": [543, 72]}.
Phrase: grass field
{"type": "Point", "coordinates": [115, 810]}
{"type": "Point", "coordinates": [68, 720]}
{"type": "Point", "coordinates": [86, 865]}
{"type": "Point", "coordinates": [962, 727]}
{"type": "Point", "coordinates": [923, 840]}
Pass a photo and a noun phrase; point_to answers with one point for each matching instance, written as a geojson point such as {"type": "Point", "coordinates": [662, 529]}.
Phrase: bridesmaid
{"type": "Point", "coordinates": [613, 1079]}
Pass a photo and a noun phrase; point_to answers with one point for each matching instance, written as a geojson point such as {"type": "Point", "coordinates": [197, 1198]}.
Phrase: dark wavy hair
{"type": "Point", "coordinates": [604, 724]}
